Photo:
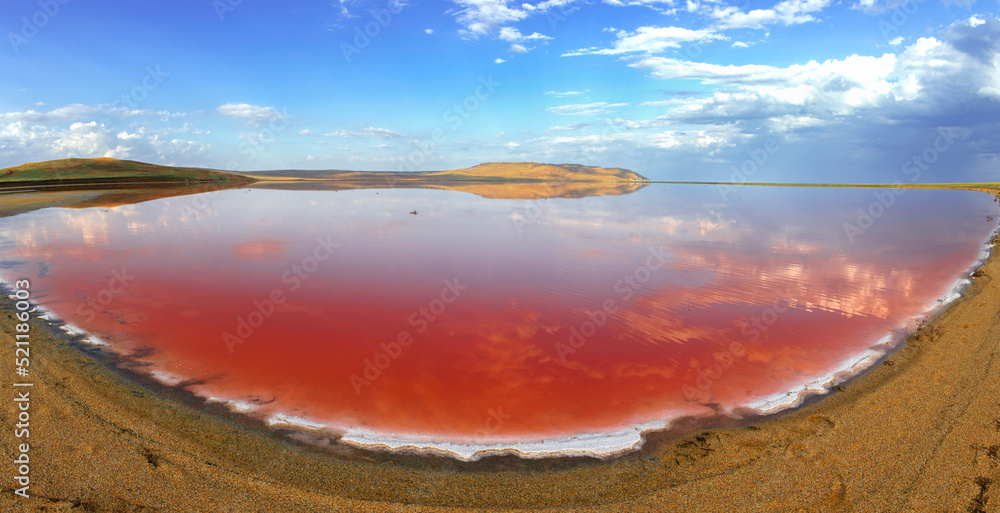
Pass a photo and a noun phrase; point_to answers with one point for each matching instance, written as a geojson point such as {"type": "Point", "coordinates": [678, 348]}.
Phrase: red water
{"type": "Point", "coordinates": [455, 323]}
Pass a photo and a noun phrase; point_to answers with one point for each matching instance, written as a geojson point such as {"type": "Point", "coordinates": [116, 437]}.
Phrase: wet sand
{"type": "Point", "coordinates": [921, 432]}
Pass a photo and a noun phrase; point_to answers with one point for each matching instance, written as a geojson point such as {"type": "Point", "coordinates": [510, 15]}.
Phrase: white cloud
{"type": "Point", "coordinates": [343, 8]}
{"type": "Point", "coordinates": [21, 141]}
{"type": "Point", "coordinates": [498, 60]}
{"type": "Point", "coordinates": [831, 88]}
{"type": "Point", "coordinates": [189, 128]}
{"type": "Point", "coordinates": [654, 4]}
{"type": "Point", "coordinates": [668, 68]}
{"type": "Point", "coordinates": [479, 18]}
{"type": "Point", "coordinates": [91, 139]}
{"type": "Point", "coordinates": [305, 132]}
{"type": "Point", "coordinates": [787, 12]}
{"type": "Point", "coordinates": [510, 34]}
{"type": "Point", "coordinates": [428, 31]}
{"type": "Point", "coordinates": [559, 94]}
{"type": "Point", "coordinates": [482, 17]}
{"type": "Point", "coordinates": [548, 5]}
{"type": "Point", "coordinates": [572, 127]}
{"type": "Point", "coordinates": [585, 109]}
{"type": "Point", "coordinates": [381, 133]}
{"type": "Point", "coordinates": [651, 40]}
{"type": "Point", "coordinates": [876, 7]}
{"type": "Point", "coordinates": [514, 36]}
{"type": "Point", "coordinates": [610, 141]}
{"type": "Point", "coordinates": [254, 113]}
{"type": "Point", "coordinates": [865, 5]}
{"type": "Point", "coordinates": [673, 102]}
{"type": "Point", "coordinates": [897, 41]}
{"type": "Point", "coordinates": [68, 113]}
{"type": "Point", "coordinates": [740, 44]}
{"type": "Point", "coordinates": [927, 78]}
{"type": "Point", "coordinates": [976, 21]}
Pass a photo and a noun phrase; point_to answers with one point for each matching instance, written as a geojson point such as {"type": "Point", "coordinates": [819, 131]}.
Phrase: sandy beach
{"type": "Point", "coordinates": [921, 432]}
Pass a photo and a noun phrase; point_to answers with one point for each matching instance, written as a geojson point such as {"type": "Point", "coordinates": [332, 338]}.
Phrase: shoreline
{"type": "Point", "coordinates": [918, 431]}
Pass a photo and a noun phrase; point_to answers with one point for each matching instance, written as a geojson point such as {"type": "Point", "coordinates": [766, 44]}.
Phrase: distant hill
{"type": "Point", "coordinates": [508, 180]}
{"type": "Point", "coordinates": [97, 171]}
{"type": "Point", "coordinates": [507, 172]}
{"type": "Point", "coordinates": [495, 189]}
{"type": "Point", "coordinates": [551, 172]}
{"type": "Point", "coordinates": [113, 171]}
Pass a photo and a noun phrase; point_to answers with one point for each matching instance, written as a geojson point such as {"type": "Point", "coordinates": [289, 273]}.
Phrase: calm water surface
{"type": "Point", "coordinates": [493, 323]}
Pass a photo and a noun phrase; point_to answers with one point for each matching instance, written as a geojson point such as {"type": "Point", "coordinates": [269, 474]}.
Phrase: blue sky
{"type": "Point", "coordinates": [797, 90]}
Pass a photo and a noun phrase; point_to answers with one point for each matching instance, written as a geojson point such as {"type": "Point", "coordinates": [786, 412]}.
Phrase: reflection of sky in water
{"type": "Point", "coordinates": [534, 272]}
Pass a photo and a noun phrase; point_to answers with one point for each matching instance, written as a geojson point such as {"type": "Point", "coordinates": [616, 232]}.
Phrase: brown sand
{"type": "Point", "coordinates": [919, 433]}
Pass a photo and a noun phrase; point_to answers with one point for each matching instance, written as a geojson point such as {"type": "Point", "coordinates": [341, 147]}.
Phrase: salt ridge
{"type": "Point", "coordinates": [601, 445]}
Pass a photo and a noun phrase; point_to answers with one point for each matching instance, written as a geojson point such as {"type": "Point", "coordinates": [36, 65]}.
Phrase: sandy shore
{"type": "Point", "coordinates": [919, 433]}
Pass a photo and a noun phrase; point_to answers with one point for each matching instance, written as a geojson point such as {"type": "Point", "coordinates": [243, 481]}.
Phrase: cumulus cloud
{"type": "Point", "coordinates": [572, 127]}
{"type": "Point", "coordinates": [513, 35]}
{"type": "Point", "coordinates": [606, 142]}
{"type": "Point", "coordinates": [254, 113]}
{"type": "Point", "coordinates": [669, 68]}
{"type": "Point", "coordinates": [382, 133]}
{"type": "Point", "coordinates": [549, 5]}
{"type": "Point", "coordinates": [371, 131]}
{"type": "Point", "coordinates": [787, 12]}
{"type": "Point", "coordinates": [928, 77]}
{"type": "Point", "coordinates": [560, 94]}
{"type": "Point", "coordinates": [826, 91]}
{"type": "Point", "coordinates": [586, 109]}
{"type": "Point", "coordinates": [876, 7]}
{"type": "Point", "coordinates": [343, 8]}
{"type": "Point", "coordinates": [978, 38]}
{"type": "Point", "coordinates": [21, 141]}
{"type": "Point", "coordinates": [874, 111]}
{"type": "Point", "coordinates": [72, 112]}
{"type": "Point", "coordinates": [661, 5]}
{"type": "Point", "coordinates": [651, 40]}
{"type": "Point", "coordinates": [479, 18]}
{"type": "Point", "coordinates": [482, 17]}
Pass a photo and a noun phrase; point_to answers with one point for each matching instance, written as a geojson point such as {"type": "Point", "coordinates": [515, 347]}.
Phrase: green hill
{"type": "Point", "coordinates": [110, 171]}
